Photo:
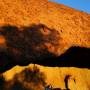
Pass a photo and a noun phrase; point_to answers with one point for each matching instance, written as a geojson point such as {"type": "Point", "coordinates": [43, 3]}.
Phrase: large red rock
{"type": "Point", "coordinates": [31, 31]}
{"type": "Point", "coordinates": [47, 33]}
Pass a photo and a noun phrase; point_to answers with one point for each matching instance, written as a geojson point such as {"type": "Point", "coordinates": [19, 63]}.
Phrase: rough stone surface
{"type": "Point", "coordinates": [40, 31]}
{"type": "Point", "coordinates": [56, 77]}
{"type": "Point", "coordinates": [32, 31]}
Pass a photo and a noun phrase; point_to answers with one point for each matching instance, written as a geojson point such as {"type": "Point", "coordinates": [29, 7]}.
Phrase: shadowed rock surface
{"type": "Point", "coordinates": [27, 46]}
{"type": "Point", "coordinates": [34, 45]}
{"type": "Point", "coordinates": [73, 57]}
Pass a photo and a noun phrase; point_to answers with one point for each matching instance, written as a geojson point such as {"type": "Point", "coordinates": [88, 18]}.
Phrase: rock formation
{"type": "Point", "coordinates": [28, 35]}
{"type": "Point", "coordinates": [46, 33]}
{"type": "Point", "coordinates": [36, 77]}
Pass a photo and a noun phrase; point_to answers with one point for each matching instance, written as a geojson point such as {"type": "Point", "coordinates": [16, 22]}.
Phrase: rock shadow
{"type": "Point", "coordinates": [73, 57]}
{"type": "Point", "coordinates": [27, 45]}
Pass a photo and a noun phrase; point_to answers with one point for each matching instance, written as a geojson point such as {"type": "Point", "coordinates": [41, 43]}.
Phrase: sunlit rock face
{"type": "Point", "coordinates": [36, 31]}
{"type": "Point", "coordinates": [45, 33]}
{"type": "Point", "coordinates": [36, 77]}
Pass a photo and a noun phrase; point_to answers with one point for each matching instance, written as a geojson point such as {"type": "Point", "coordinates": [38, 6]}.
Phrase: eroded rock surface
{"type": "Point", "coordinates": [32, 31]}
{"type": "Point", "coordinates": [46, 33]}
{"type": "Point", "coordinates": [36, 77]}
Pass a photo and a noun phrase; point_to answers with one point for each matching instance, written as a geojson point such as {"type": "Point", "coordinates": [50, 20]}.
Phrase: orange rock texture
{"type": "Point", "coordinates": [73, 26]}
{"type": "Point", "coordinates": [34, 30]}
{"type": "Point", "coordinates": [36, 77]}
